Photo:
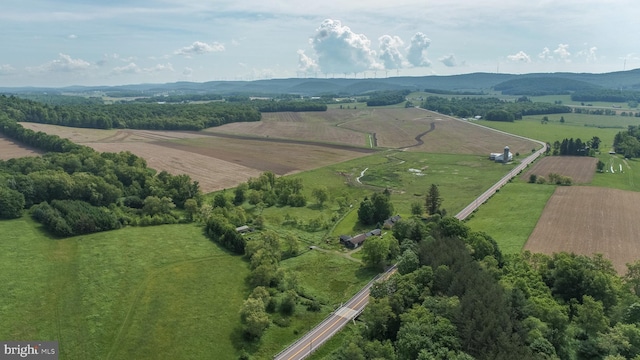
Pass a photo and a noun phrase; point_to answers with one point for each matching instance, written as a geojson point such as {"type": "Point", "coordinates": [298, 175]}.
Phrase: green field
{"type": "Point", "coordinates": [135, 293]}
{"type": "Point", "coordinates": [575, 126]}
{"type": "Point", "coordinates": [511, 214]}
{"type": "Point", "coordinates": [147, 293]}
{"type": "Point", "coordinates": [461, 178]}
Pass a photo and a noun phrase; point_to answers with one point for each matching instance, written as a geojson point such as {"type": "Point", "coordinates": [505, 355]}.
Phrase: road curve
{"type": "Point", "coordinates": [307, 344]}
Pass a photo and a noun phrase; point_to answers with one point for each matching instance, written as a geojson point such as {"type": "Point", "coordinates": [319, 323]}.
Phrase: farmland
{"type": "Point", "coordinates": [589, 220]}
{"type": "Point", "coordinates": [287, 143]}
{"type": "Point", "coordinates": [10, 149]}
{"type": "Point", "coordinates": [579, 168]}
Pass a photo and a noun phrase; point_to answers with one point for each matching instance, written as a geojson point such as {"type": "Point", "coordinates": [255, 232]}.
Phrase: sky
{"type": "Point", "coordinates": [57, 43]}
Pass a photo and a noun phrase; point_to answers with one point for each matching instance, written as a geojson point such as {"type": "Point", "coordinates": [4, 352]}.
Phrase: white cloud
{"type": "Point", "coordinates": [187, 71]}
{"type": "Point", "coordinates": [521, 57]}
{"type": "Point", "coordinates": [64, 63]}
{"type": "Point", "coordinates": [546, 54]}
{"type": "Point", "coordinates": [199, 48]}
{"type": "Point", "coordinates": [390, 53]}
{"type": "Point", "coordinates": [588, 54]}
{"type": "Point", "coordinates": [72, 36]}
{"type": "Point", "coordinates": [449, 60]}
{"type": "Point", "coordinates": [305, 63]}
{"type": "Point", "coordinates": [340, 50]}
{"type": "Point", "coordinates": [159, 68]}
{"type": "Point", "coordinates": [562, 53]}
{"type": "Point", "coordinates": [130, 68]}
{"type": "Point", "coordinates": [6, 69]}
{"type": "Point", "coordinates": [417, 51]}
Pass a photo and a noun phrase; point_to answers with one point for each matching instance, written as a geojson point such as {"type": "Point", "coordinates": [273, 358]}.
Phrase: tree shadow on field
{"type": "Point", "coordinates": [240, 341]}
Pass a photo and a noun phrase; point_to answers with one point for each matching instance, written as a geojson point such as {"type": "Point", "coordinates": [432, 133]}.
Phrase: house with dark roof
{"type": "Point", "coordinates": [356, 241]}
{"type": "Point", "coordinates": [391, 221]}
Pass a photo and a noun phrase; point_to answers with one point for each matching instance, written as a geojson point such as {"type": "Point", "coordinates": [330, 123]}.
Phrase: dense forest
{"type": "Point", "coordinates": [455, 296]}
{"type": "Point", "coordinates": [491, 108]}
{"type": "Point", "coordinates": [384, 98]}
{"type": "Point", "coordinates": [538, 86]}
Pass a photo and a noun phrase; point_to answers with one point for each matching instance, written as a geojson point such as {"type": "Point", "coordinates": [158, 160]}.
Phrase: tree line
{"type": "Point", "coordinates": [492, 109]}
{"type": "Point", "coordinates": [606, 95]}
{"type": "Point", "coordinates": [129, 115]}
{"type": "Point", "coordinates": [384, 98]}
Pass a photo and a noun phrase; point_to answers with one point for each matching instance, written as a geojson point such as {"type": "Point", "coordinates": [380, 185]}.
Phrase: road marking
{"type": "Point", "coordinates": [330, 327]}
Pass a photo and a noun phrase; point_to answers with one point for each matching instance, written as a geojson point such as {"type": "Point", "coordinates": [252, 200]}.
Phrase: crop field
{"type": "Point", "coordinates": [10, 149]}
{"type": "Point", "coordinates": [215, 161]}
{"type": "Point", "coordinates": [396, 128]}
{"type": "Point", "coordinates": [590, 220]}
{"type": "Point", "coordinates": [579, 168]}
{"type": "Point", "coordinates": [310, 126]}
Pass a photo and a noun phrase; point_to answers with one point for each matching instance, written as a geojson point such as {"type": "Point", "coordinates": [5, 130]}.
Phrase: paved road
{"type": "Point", "coordinates": [349, 311]}
{"type": "Point", "coordinates": [332, 324]}
{"type": "Point", "coordinates": [513, 173]}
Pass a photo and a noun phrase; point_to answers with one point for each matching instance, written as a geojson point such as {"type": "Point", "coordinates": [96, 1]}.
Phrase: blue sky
{"type": "Point", "coordinates": [74, 42]}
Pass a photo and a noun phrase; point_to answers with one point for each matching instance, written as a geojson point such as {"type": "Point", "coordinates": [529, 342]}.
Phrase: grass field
{"type": "Point", "coordinates": [143, 293]}
{"type": "Point", "coordinates": [604, 127]}
{"type": "Point", "coordinates": [511, 214]}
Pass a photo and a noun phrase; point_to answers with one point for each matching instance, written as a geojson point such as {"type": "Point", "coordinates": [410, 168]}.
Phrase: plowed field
{"type": "Point", "coordinates": [10, 149]}
{"type": "Point", "coordinates": [578, 168]}
{"type": "Point", "coordinates": [215, 161]}
{"type": "Point", "coordinates": [589, 220]}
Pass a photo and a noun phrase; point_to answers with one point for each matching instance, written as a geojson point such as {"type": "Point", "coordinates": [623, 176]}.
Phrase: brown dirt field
{"type": "Point", "coordinates": [414, 129]}
{"type": "Point", "coordinates": [426, 131]}
{"type": "Point", "coordinates": [578, 168]}
{"type": "Point", "coordinates": [216, 162]}
{"type": "Point", "coordinates": [10, 149]}
{"type": "Point", "coordinates": [212, 173]}
{"type": "Point", "coordinates": [590, 220]}
{"type": "Point", "coordinates": [311, 126]}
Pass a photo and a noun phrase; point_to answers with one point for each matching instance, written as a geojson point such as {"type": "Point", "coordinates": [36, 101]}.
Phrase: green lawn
{"type": "Point", "coordinates": [511, 214]}
{"type": "Point", "coordinates": [135, 293]}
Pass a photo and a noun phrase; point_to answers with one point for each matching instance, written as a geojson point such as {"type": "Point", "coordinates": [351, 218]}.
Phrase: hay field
{"type": "Point", "coordinates": [215, 161]}
{"type": "Point", "coordinates": [397, 128]}
{"type": "Point", "coordinates": [579, 168]}
{"type": "Point", "coordinates": [588, 220]}
{"type": "Point", "coordinates": [9, 149]}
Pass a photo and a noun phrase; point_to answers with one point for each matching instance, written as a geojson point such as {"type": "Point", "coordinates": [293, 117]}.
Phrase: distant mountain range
{"type": "Point", "coordinates": [475, 82]}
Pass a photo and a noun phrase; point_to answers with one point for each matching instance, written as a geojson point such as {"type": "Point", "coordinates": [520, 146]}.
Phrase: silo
{"type": "Point", "coordinates": [505, 156]}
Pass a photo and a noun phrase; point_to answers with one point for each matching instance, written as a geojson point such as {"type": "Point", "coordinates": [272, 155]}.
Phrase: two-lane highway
{"type": "Point", "coordinates": [332, 324]}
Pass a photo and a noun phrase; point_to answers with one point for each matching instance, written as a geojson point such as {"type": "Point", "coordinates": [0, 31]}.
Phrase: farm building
{"type": "Point", "coordinates": [500, 157]}
{"type": "Point", "coordinates": [391, 221]}
{"type": "Point", "coordinates": [354, 242]}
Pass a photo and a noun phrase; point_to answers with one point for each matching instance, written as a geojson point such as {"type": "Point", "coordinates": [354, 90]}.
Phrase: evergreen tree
{"type": "Point", "coordinates": [433, 200]}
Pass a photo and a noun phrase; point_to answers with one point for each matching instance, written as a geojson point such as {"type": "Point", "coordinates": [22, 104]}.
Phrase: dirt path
{"type": "Point", "coordinates": [346, 255]}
